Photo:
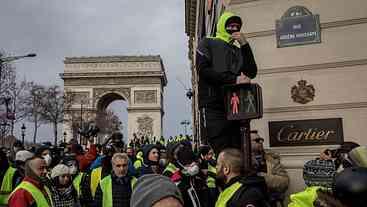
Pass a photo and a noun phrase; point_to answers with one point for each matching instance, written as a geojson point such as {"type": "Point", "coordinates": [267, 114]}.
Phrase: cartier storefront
{"type": "Point", "coordinates": [312, 69]}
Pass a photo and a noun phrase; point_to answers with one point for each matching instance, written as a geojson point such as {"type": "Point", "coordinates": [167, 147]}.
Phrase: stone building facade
{"type": "Point", "coordinates": [315, 82]}
{"type": "Point", "coordinates": [95, 82]}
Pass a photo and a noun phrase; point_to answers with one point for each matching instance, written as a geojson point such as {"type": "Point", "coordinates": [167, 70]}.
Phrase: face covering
{"type": "Point", "coordinates": [73, 170]}
{"type": "Point", "coordinates": [231, 31]}
{"type": "Point", "coordinates": [191, 170]}
{"type": "Point", "coordinates": [48, 159]}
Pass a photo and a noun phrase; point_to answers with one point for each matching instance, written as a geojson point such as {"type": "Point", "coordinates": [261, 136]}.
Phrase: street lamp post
{"type": "Point", "coordinates": [23, 128]}
{"type": "Point", "coordinates": [2, 61]}
{"type": "Point", "coordinates": [65, 137]}
{"type": "Point", "coordinates": [9, 59]}
{"type": "Point", "coordinates": [185, 123]}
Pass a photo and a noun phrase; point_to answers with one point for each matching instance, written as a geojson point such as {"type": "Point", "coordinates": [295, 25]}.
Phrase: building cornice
{"type": "Point", "coordinates": [326, 107]}
{"type": "Point", "coordinates": [234, 2]}
{"type": "Point", "coordinates": [321, 66]}
{"type": "Point", "coordinates": [146, 109]}
{"type": "Point", "coordinates": [112, 74]}
{"type": "Point", "coordinates": [110, 59]}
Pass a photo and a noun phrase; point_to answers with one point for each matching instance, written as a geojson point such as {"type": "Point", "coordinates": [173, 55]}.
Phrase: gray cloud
{"type": "Point", "coordinates": [56, 29]}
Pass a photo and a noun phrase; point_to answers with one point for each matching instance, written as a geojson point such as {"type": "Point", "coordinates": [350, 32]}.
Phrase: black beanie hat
{"type": "Point", "coordinates": [234, 19]}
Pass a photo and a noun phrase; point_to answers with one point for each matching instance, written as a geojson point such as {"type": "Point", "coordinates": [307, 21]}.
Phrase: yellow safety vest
{"type": "Point", "coordinates": [227, 194]}
{"type": "Point", "coordinates": [95, 178]}
{"type": "Point", "coordinates": [137, 164]}
{"type": "Point", "coordinates": [170, 168]}
{"type": "Point", "coordinates": [139, 160]}
{"type": "Point", "coordinates": [304, 198]}
{"type": "Point", "coordinates": [212, 172]}
{"type": "Point", "coordinates": [40, 199]}
{"type": "Point", "coordinates": [106, 187]}
{"type": "Point", "coordinates": [76, 183]}
{"type": "Point", "coordinates": [6, 185]}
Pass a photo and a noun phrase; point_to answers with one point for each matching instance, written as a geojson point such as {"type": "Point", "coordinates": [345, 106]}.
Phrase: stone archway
{"type": "Point", "coordinates": [92, 83]}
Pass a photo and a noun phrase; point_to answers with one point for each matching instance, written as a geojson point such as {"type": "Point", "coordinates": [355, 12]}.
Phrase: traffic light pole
{"type": "Point", "coordinates": [246, 146]}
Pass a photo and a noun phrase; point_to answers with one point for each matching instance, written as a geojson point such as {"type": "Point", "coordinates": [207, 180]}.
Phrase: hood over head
{"type": "Point", "coordinates": [222, 23]}
{"type": "Point", "coordinates": [146, 151]}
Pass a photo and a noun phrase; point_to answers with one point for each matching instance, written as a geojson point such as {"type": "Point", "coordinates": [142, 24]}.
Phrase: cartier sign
{"type": "Point", "coordinates": [306, 132]}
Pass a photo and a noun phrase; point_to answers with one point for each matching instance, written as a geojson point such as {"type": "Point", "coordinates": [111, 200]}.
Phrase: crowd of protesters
{"type": "Point", "coordinates": [173, 172]}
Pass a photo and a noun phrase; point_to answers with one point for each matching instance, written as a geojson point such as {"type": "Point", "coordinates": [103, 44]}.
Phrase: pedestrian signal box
{"type": "Point", "coordinates": [243, 101]}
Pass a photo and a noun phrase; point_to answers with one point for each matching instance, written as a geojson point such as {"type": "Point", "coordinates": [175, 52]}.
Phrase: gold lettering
{"type": "Point", "coordinates": [313, 134]}
{"type": "Point", "coordinates": [328, 133]}
{"type": "Point", "coordinates": [320, 135]}
{"type": "Point", "coordinates": [292, 136]}
{"type": "Point", "coordinates": [279, 137]}
{"type": "Point", "coordinates": [307, 134]}
{"type": "Point", "coordinates": [301, 135]}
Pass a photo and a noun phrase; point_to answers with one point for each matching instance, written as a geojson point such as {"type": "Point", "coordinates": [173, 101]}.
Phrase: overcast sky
{"type": "Point", "coordinates": [58, 29]}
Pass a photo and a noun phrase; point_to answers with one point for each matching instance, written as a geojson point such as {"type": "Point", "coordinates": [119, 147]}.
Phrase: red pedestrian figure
{"type": "Point", "coordinates": [234, 103]}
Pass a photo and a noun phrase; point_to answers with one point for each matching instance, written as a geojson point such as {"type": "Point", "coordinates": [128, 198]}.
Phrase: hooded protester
{"type": "Point", "coordinates": [340, 155]}
{"type": "Point", "coordinates": [92, 179]}
{"type": "Point", "coordinates": [10, 177]}
{"type": "Point", "coordinates": [268, 165]}
{"type": "Point", "coordinates": [182, 170]}
{"type": "Point", "coordinates": [32, 191]}
{"type": "Point", "coordinates": [44, 152]}
{"type": "Point", "coordinates": [131, 153]}
{"type": "Point", "coordinates": [358, 157]}
{"type": "Point", "coordinates": [85, 158]}
{"type": "Point", "coordinates": [349, 190]}
{"type": "Point", "coordinates": [117, 142]}
{"type": "Point", "coordinates": [20, 159]}
{"type": "Point", "coordinates": [238, 190]}
{"type": "Point", "coordinates": [78, 178]}
{"type": "Point", "coordinates": [207, 167]}
{"type": "Point", "coordinates": [318, 175]}
{"type": "Point", "coordinates": [63, 193]}
{"type": "Point", "coordinates": [116, 188]}
{"type": "Point", "coordinates": [151, 158]}
{"type": "Point", "coordinates": [221, 61]}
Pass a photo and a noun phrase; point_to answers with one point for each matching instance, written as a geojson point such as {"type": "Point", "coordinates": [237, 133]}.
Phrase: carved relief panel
{"type": "Point", "coordinates": [98, 92]}
{"type": "Point", "coordinates": [77, 97]}
{"type": "Point", "coordinates": [145, 126]}
{"type": "Point", "coordinates": [145, 96]}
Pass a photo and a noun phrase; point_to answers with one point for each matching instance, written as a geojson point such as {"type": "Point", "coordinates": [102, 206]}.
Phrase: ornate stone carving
{"type": "Point", "coordinates": [145, 96]}
{"type": "Point", "coordinates": [145, 126]}
{"type": "Point", "coordinates": [110, 77]}
{"type": "Point", "coordinates": [112, 81]}
{"type": "Point", "coordinates": [98, 92]}
{"type": "Point", "coordinates": [78, 97]}
{"type": "Point", "coordinates": [302, 93]}
{"type": "Point", "coordinates": [113, 73]}
{"type": "Point", "coordinates": [119, 66]}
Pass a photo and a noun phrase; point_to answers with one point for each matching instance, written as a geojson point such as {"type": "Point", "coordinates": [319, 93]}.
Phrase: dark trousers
{"type": "Point", "coordinates": [218, 131]}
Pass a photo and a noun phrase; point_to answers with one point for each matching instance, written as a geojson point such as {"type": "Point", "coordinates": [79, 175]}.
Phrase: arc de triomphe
{"type": "Point", "coordinates": [95, 82]}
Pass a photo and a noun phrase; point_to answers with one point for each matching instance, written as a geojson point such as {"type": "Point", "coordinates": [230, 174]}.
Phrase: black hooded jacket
{"type": "Point", "coordinates": [219, 62]}
{"type": "Point", "coordinates": [253, 192]}
{"type": "Point", "coordinates": [146, 167]}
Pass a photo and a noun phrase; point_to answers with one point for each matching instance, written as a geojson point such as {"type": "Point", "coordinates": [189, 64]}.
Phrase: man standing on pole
{"type": "Point", "coordinates": [221, 61]}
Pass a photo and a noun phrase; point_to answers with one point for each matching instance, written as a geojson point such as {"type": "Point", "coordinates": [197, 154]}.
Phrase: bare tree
{"type": "Point", "coordinates": [53, 108]}
{"type": "Point", "coordinates": [108, 122]}
{"type": "Point", "coordinates": [18, 92]}
{"type": "Point", "coordinates": [33, 106]}
{"type": "Point", "coordinates": [7, 74]}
